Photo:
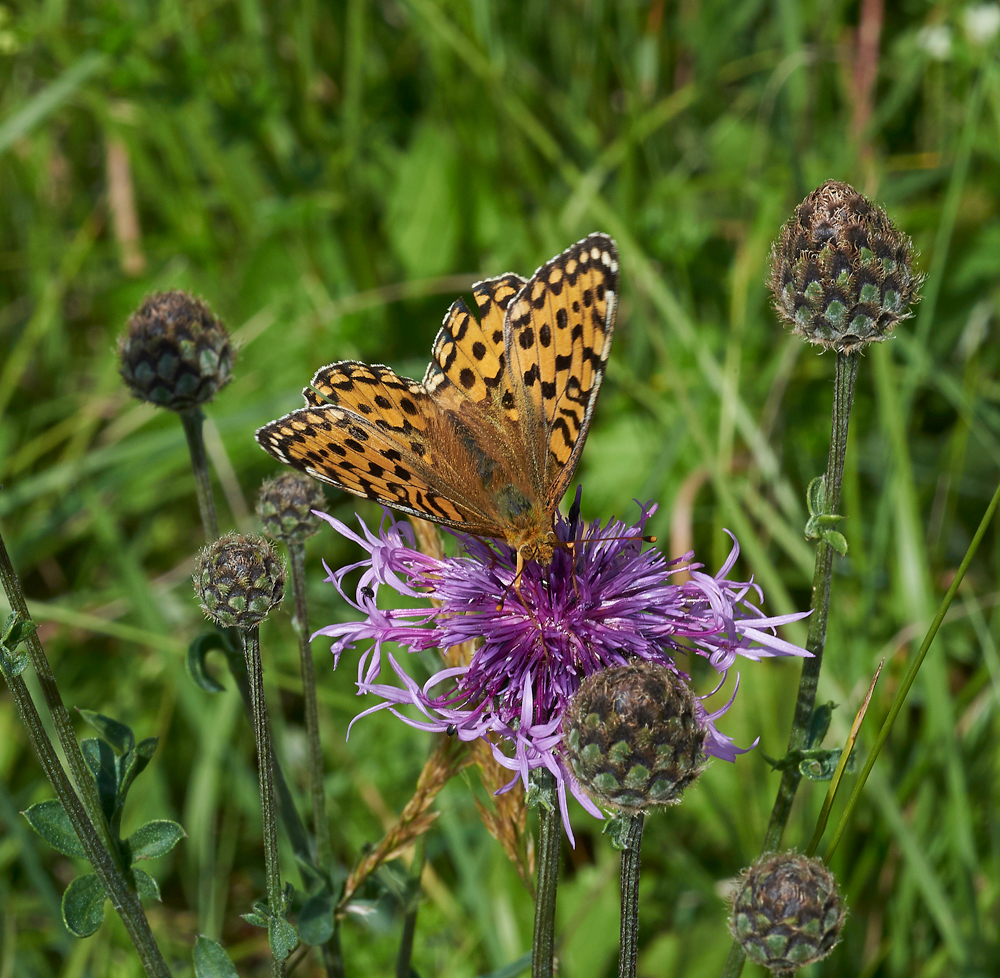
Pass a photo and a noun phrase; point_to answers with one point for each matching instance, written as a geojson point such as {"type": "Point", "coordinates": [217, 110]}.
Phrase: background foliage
{"type": "Point", "coordinates": [320, 172]}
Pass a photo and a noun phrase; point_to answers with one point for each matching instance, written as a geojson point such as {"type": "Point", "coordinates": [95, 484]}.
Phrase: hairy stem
{"type": "Point", "coordinates": [321, 827]}
{"type": "Point", "coordinates": [332, 957]}
{"type": "Point", "coordinates": [549, 839]}
{"type": "Point", "coordinates": [82, 777]}
{"type": "Point", "coordinates": [262, 732]}
{"type": "Point", "coordinates": [297, 834]}
{"type": "Point", "coordinates": [84, 810]}
{"type": "Point", "coordinates": [843, 396]}
{"type": "Point", "coordinates": [628, 949]}
{"type": "Point", "coordinates": [192, 421]}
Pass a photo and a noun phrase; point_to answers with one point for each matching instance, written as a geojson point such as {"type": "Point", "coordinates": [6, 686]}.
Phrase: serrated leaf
{"type": "Point", "coordinates": [146, 885]}
{"type": "Point", "coordinates": [196, 653]}
{"type": "Point", "coordinates": [154, 839]}
{"type": "Point", "coordinates": [316, 919]}
{"type": "Point", "coordinates": [282, 938]}
{"type": "Point", "coordinates": [211, 960]}
{"type": "Point", "coordinates": [50, 821]}
{"type": "Point", "coordinates": [83, 905]}
{"type": "Point", "coordinates": [119, 735]}
{"type": "Point", "coordinates": [836, 540]}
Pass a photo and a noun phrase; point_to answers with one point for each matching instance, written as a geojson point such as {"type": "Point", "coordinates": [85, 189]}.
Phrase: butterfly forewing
{"type": "Point", "coordinates": [468, 355]}
{"type": "Point", "coordinates": [559, 335]}
{"type": "Point", "coordinates": [376, 435]}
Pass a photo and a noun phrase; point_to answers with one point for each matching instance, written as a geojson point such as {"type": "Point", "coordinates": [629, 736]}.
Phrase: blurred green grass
{"type": "Point", "coordinates": [329, 176]}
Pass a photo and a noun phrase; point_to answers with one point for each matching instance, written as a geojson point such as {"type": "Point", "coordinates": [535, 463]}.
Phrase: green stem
{"type": "Point", "coordinates": [123, 898]}
{"type": "Point", "coordinates": [628, 949]}
{"type": "Point", "coordinates": [403, 966]}
{"type": "Point", "coordinates": [297, 834]}
{"type": "Point", "coordinates": [262, 732]}
{"type": "Point", "coordinates": [332, 956]}
{"type": "Point", "coordinates": [549, 840]}
{"type": "Point", "coordinates": [192, 421]}
{"type": "Point", "coordinates": [82, 777]}
{"type": "Point", "coordinates": [911, 673]}
{"type": "Point", "coordinates": [843, 396]}
{"type": "Point", "coordinates": [321, 827]}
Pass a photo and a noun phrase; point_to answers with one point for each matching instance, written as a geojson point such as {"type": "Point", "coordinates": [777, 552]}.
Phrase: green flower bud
{"type": "Point", "coordinates": [285, 506]}
{"type": "Point", "coordinates": [175, 353]}
{"type": "Point", "coordinates": [238, 580]}
{"type": "Point", "coordinates": [787, 911]}
{"type": "Point", "coordinates": [841, 270]}
{"type": "Point", "coordinates": [633, 736]}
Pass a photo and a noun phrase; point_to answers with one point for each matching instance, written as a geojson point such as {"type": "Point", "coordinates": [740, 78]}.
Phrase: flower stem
{"type": "Point", "coordinates": [549, 840]}
{"type": "Point", "coordinates": [82, 777]}
{"type": "Point", "coordinates": [192, 421]}
{"type": "Point", "coordinates": [262, 732]}
{"type": "Point", "coordinates": [843, 396]}
{"type": "Point", "coordinates": [332, 957]}
{"type": "Point", "coordinates": [628, 949]}
{"type": "Point", "coordinates": [403, 967]}
{"type": "Point", "coordinates": [83, 810]}
{"type": "Point", "coordinates": [321, 827]}
{"type": "Point", "coordinates": [297, 835]}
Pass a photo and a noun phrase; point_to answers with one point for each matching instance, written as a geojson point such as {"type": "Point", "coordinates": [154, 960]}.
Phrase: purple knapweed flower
{"type": "Point", "coordinates": [602, 602]}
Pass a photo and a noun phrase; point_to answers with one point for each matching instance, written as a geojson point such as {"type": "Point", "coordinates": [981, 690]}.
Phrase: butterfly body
{"type": "Point", "coordinates": [488, 441]}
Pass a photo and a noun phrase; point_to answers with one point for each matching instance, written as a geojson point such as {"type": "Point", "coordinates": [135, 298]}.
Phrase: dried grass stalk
{"type": "Point", "coordinates": [448, 759]}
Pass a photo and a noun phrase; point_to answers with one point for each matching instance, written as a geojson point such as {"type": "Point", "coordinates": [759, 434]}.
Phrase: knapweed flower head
{"type": "Point", "coordinates": [602, 602]}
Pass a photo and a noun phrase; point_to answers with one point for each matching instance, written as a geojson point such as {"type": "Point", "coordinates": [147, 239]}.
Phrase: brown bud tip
{"type": "Point", "coordinates": [285, 506]}
{"type": "Point", "coordinates": [787, 911]}
{"type": "Point", "coordinates": [238, 580]}
{"type": "Point", "coordinates": [633, 736]}
{"type": "Point", "coordinates": [175, 353]}
{"type": "Point", "coordinates": [841, 270]}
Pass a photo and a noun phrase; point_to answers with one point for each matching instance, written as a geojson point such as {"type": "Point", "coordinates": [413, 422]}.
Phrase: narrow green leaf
{"type": "Point", "coordinates": [211, 960]}
{"type": "Point", "coordinates": [119, 735]}
{"type": "Point", "coordinates": [50, 821]}
{"type": "Point", "coordinates": [49, 98]}
{"type": "Point", "coordinates": [154, 839]}
{"type": "Point", "coordinates": [316, 919]}
{"type": "Point", "coordinates": [282, 938]}
{"type": "Point", "coordinates": [195, 660]}
{"type": "Point", "coordinates": [146, 885]}
{"type": "Point", "coordinates": [83, 905]}
{"type": "Point", "coordinates": [256, 918]}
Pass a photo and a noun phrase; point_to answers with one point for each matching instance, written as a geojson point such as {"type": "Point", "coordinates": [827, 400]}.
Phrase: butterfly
{"type": "Point", "coordinates": [488, 441]}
